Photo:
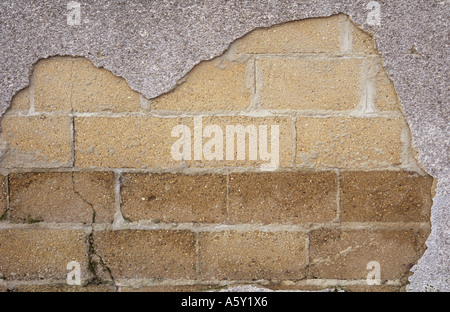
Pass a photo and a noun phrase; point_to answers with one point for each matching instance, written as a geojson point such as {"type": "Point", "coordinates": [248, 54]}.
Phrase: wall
{"type": "Point", "coordinates": [89, 172]}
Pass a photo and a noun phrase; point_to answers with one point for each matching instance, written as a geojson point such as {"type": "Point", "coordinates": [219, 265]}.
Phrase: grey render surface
{"type": "Point", "coordinates": [153, 44]}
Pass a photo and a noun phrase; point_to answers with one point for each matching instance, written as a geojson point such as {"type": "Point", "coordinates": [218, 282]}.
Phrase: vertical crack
{"type": "Point", "coordinates": [72, 132]}
{"type": "Point", "coordinates": [97, 263]}
{"type": "Point", "coordinates": [72, 139]}
{"type": "Point", "coordinates": [83, 199]}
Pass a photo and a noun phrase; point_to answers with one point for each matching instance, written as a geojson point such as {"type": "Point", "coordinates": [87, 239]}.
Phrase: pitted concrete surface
{"type": "Point", "coordinates": [154, 44]}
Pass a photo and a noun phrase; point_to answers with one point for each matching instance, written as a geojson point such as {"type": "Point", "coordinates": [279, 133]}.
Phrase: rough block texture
{"type": "Point", "coordinates": [53, 84]}
{"type": "Point", "coordinates": [344, 254]}
{"type": "Point", "coordinates": [128, 142]}
{"type": "Point", "coordinates": [169, 288]}
{"type": "Point", "coordinates": [362, 42]}
{"type": "Point", "coordinates": [282, 197]}
{"type": "Point", "coordinates": [252, 255]}
{"type": "Point", "coordinates": [165, 199]}
{"type": "Point", "coordinates": [285, 150]}
{"type": "Point", "coordinates": [98, 90]}
{"type": "Point", "coordinates": [321, 35]}
{"type": "Point", "coordinates": [174, 198]}
{"type": "Point", "coordinates": [147, 254]}
{"type": "Point", "coordinates": [387, 98]}
{"type": "Point", "coordinates": [33, 142]}
{"type": "Point", "coordinates": [220, 85]}
{"type": "Point", "coordinates": [21, 101]}
{"type": "Point", "coordinates": [385, 196]}
{"type": "Point", "coordinates": [76, 85]}
{"type": "Point", "coordinates": [153, 61]}
{"type": "Point", "coordinates": [69, 197]}
{"type": "Point", "coordinates": [33, 254]}
{"type": "Point", "coordinates": [309, 84]}
{"type": "Point", "coordinates": [346, 142]}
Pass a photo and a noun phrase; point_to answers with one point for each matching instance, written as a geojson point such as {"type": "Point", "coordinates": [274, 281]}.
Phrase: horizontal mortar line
{"type": "Point", "coordinates": [384, 225]}
{"type": "Point", "coordinates": [223, 170]}
{"type": "Point", "coordinates": [46, 225]}
{"type": "Point", "coordinates": [185, 282]}
{"type": "Point", "coordinates": [151, 226]}
{"type": "Point", "coordinates": [274, 227]}
{"type": "Point", "coordinates": [16, 113]}
{"type": "Point", "coordinates": [319, 56]}
{"type": "Point", "coordinates": [47, 282]}
{"type": "Point", "coordinates": [93, 114]}
{"type": "Point", "coordinates": [178, 170]}
{"type": "Point", "coordinates": [59, 170]}
{"type": "Point", "coordinates": [148, 282]}
{"type": "Point", "coordinates": [40, 282]}
{"type": "Point", "coordinates": [352, 113]}
{"type": "Point", "coordinates": [191, 170]}
{"type": "Point", "coordinates": [260, 113]}
{"type": "Point", "coordinates": [265, 113]}
{"type": "Point", "coordinates": [209, 170]}
{"type": "Point", "coordinates": [255, 113]}
{"type": "Point", "coordinates": [128, 282]}
{"type": "Point", "coordinates": [190, 114]}
{"type": "Point", "coordinates": [143, 282]}
{"type": "Point", "coordinates": [337, 282]}
{"type": "Point", "coordinates": [218, 170]}
{"type": "Point", "coordinates": [392, 169]}
{"type": "Point", "coordinates": [322, 113]}
{"type": "Point", "coordinates": [299, 167]}
{"type": "Point", "coordinates": [37, 169]}
{"type": "Point", "coordinates": [216, 227]}
{"type": "Point", "coordinates": [199, 228]}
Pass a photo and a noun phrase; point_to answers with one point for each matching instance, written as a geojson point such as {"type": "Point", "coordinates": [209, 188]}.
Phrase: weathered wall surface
{"type": "Point", "coordinates": [90, 171]}
{"type": "Point", "coordinates": [51, 126]}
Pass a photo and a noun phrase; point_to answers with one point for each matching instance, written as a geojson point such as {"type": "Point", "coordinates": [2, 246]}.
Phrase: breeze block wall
{"type": "Point", "coordinates": [89, 172]}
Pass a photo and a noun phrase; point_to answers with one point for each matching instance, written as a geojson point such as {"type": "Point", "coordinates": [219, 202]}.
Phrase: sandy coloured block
{"type": "Point", "coordinates": [31, 254]}
{"type": "Point", "coordinates": [238, 141]}
{"type": "Point", "coordinates": [318, 35]}
{"type": "Point", "coordinates": [174, 197]}
{"type": "Point", "coordinates": [217, 85]}
{"type": "Point", "coordinates": [62, 197]}
{"type": "Point", "coordinates": [349, 142]}
{"type": "Point", "coordinates": [309, 83]}
{"type": "Point", "coordinates": [126, 142]}
{"type": "Point", "coordinates": [36, 142]}
{"type": "Point", "coordinates": [241, 255]}
{"type": "Point", "coordinates": [282, 197]}
{"type": "Point", "coordinates": [385, 196]}
{"type": "Point", "coordinates": [345, 254]}
{"type": "Point", "coordinates": [147, 254]}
